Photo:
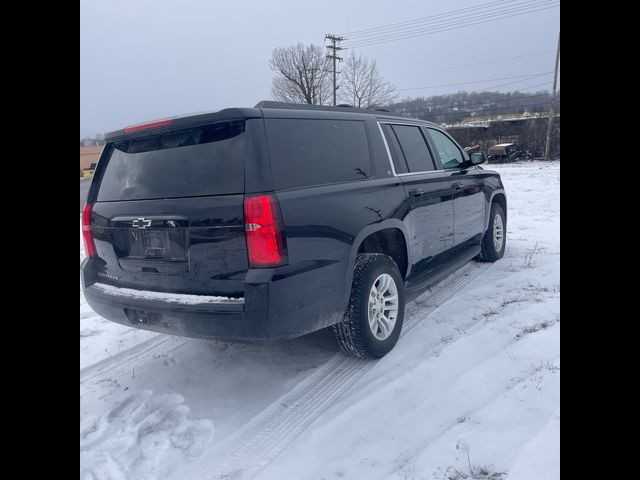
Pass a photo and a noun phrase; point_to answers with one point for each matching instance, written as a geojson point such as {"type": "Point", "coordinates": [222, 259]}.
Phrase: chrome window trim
{"type": "Point", "coordinates": [386, 146]}
{"type": "Point", "coordinates": [389, 122]}
{"type": "Point", "coordinates": [421, 173]}
{"type": "Point", "coordinates": [384, 139]}
{"type": "Point", "coordinates": [439, 171]}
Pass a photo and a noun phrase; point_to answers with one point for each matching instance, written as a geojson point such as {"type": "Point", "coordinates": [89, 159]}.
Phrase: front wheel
{"type": "Point", "coordinates": [495, 238]}
{"type": "Point", "coordinates": [373, 321]}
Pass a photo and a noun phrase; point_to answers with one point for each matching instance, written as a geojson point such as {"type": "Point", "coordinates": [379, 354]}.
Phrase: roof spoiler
{"type": "Point", "coordinates": [181, 122]}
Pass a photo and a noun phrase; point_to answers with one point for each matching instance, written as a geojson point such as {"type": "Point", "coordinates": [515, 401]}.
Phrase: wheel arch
{"type": "Point", "coordinates": [498, 196]}
{"type": "Point", "coordinates": [377, 230]}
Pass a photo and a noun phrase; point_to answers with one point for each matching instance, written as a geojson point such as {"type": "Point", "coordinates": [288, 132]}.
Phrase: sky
{"type": "Point", "coordinates": [147, 59]}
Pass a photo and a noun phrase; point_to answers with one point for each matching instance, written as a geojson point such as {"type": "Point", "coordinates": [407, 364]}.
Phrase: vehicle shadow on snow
{"type": "Point", "coordinates": [322, 339]}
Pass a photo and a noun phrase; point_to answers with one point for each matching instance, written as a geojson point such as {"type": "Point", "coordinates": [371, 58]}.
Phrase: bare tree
{"type": "Point", "coordinates": [301, 74]}
{"type": "Point", "coordinates": [362, 84]}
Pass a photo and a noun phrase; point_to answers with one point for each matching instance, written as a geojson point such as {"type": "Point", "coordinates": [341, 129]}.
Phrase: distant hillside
{"type": "Point", "coordinates": [456, 106]}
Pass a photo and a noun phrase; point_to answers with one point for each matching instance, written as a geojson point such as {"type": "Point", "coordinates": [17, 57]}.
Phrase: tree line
{"type": "Point", "coordinates": [94, 141]}
{"type": "Point", "coordinates": [303, 74]}
{"type": "Point", "coordinates": [454, 107]}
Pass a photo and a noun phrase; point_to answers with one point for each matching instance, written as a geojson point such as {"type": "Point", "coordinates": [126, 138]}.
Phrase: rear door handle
{"type": "Point", "coordinates": [457, 186]}
{"type": "Point", "coordinates": [416, 192]}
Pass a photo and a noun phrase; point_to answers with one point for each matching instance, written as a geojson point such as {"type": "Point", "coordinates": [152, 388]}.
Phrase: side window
{"type": "Point", "coordinates": [414, 147]}
{"type": "Point", "coordinates": [313, 152]}
{"type": "Point", "coordinates": [399, 162]}
{"type": "Point", "coordinates": [450, 154]}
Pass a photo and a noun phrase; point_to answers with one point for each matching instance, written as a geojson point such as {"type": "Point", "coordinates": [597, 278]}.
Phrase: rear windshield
{"type": "Point", "coordinates": [313, 152]}
{"type": "Point", "coordinates": [186, 163]}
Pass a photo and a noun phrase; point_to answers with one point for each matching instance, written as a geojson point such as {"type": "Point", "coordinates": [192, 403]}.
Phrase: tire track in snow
{"type": "Point", "coordinates": [442, 292]}
{"type": "Point", "coordinates": [134, 357]}
{"type": "Point", "coordinates": [139, 355]}
{"type": "Point", "coordinates": [246, 453]}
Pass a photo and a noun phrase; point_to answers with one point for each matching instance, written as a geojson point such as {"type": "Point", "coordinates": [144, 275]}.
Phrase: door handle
{"type": "Point", "coordinates": [416, 192]}
{"type": "Point", "coordinates": [457, 185]}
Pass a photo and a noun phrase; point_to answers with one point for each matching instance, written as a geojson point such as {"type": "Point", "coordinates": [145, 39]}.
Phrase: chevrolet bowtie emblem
{"type": "Point", "coordinates": [141, 223]}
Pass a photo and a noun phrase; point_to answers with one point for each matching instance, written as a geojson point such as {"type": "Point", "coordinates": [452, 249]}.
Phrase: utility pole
{"type": "Point", "coordinates": [334, 47]}
{"type": "Point", "coordinates": [553, 103]}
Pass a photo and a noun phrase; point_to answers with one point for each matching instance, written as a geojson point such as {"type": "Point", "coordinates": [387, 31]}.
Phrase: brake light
{"type": "Point", "coordinates": [144, 126]}
{"type": "Point", "coordinates": [266, 243]}
{"type": "Point", "coordinates": [87, 234]}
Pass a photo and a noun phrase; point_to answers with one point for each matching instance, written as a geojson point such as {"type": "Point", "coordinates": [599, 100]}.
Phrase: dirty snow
{"type": "Point", "coordinates": [180, 299]}
{"type": "Point", "coordinates": [143, 437]}
{"type": "Point", "coordinates": [471, 391]}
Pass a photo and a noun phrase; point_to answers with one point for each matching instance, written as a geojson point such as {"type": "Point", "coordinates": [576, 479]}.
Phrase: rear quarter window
{"type": "Point", "coordinates": [307, 152]}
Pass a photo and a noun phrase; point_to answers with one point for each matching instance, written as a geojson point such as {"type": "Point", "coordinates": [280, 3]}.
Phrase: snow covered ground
{"type": "Point", "coordinates": [472, 390]}
{"type": "Point", "coordinates": [101, 339]}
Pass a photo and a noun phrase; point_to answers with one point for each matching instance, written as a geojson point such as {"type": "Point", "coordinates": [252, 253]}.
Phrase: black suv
{"type": "Point", "coordinates": [279, 220]}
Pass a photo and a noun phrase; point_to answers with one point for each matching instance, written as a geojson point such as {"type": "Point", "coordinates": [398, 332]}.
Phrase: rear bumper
{"type": "Point", "coordinates": [276, 306]}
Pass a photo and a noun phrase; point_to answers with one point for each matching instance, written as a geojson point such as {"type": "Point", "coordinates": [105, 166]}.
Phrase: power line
{"type": "Point", "coordinates": [517, 81]}
{"type": "Point", "coordinates": [453, 21]}
{"type": "Point", "coordinates": [529, 86]}
{"type": "Point", "coordinates": [529, 77]}
{"type": "Point", "coordinates": [355, 33]}
{"type": "Point", "coordinates": [438, 29]}
{"type": "Point", "coordinates": [439, 22]}
{"type": "Point", "coordinates": [453, 67]}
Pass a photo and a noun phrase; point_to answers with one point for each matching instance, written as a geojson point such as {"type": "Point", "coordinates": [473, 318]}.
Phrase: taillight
{"type": "Point", "coordinates": [266, 244]}
{"type": "Point", "coordinates": [87, 234]}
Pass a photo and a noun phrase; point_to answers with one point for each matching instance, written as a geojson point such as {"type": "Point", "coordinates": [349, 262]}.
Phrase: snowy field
{"type": "Point", "coordinates": [471, 390]}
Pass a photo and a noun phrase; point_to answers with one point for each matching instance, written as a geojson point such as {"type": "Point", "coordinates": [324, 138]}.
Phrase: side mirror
{"type": "Point", "coordinates": [477, 158]}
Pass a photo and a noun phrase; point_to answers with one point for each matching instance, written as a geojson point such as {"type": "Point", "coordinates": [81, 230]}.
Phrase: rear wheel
{"type": "Point", "coordinates": [495, 238]}
{"type": "Point", "coordinates": [373, 321]}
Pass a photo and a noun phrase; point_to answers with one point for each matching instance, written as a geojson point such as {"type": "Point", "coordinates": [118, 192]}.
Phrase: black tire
{"type": "Point", "coordinates": [488, 253]}
{"type": "Point", "coordinates": [354, 334]}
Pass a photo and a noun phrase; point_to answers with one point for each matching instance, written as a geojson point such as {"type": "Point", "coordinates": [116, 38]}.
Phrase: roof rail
{"type": "Point", "coordinates": [306, 106]}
